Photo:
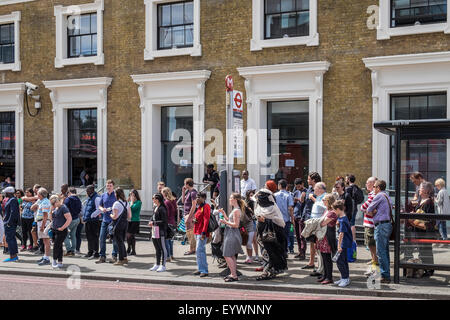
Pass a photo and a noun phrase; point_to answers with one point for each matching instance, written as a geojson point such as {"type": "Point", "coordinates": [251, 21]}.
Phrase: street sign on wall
{"type": "Point", "coordinates": [238, 124]}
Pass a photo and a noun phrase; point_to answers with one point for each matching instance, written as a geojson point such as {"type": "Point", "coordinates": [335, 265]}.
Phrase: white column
{"type": "Point", "coordinates": [19, 141]}
{"type": "Point", "coordinates": [198, 141]}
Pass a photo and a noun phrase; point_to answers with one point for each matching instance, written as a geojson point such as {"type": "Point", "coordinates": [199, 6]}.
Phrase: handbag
{"type": "Point", "coordinates": [244, 236]}
{"type": "Point", "coordinates": [113, 225]}
{"type": "Point", "coordinates": [182, 226]}
{"type": "Point", "coordinates": [170, 231]}
{"type": "Point", "coordinates": [394, 231]}
{"type": "Point", "coordinates": [268, 234]}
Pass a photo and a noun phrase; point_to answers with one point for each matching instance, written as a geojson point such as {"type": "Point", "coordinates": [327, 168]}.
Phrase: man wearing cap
{"type": "Point", "coordinates": [12, 215]}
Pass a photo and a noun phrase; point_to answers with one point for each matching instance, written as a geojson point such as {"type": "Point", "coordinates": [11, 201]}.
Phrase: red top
{"type": "Point", "coordinates": [202, 217]}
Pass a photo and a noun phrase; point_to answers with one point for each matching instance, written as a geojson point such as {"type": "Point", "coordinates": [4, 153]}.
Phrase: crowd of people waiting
{"type": "Point", "coordinates": [265, 221]}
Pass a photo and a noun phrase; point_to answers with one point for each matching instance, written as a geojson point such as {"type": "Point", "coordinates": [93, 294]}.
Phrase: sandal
{"type": "Point", "coordinates": [265, 276]}
{"type": "Point", "coordinates": [231, 279]}
{"type": "Point", "coordinates": [187, 253]}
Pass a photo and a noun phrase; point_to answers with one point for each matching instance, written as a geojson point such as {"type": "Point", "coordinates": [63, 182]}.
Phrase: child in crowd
{"type": "Point", "coordinates": [344, 242]}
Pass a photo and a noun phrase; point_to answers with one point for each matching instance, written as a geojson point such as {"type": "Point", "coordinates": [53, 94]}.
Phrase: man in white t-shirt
{"type": "Point", "coordinates": [247, 184]}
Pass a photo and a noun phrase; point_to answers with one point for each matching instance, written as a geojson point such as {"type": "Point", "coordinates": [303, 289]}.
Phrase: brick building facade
{"type": "Point", "coordinates": [325, 67]}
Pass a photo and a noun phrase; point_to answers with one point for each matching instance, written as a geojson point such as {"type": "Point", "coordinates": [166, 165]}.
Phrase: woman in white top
{"type": "Point", "coordinates": [442, 202]}
{"type": "Point", "coordinates": [121, 213]}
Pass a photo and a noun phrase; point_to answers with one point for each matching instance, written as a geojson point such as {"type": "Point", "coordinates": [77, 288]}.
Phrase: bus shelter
{"type": "Point", "coordinates": [413, 245]}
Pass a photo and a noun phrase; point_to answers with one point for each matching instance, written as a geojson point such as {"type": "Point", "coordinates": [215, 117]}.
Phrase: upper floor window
{"type": "Point", "coordinates": [408, 17]}
{"type": "Point", "coordinates": [280, 23]}
{"type": "Point", "coordinates": [7, 43]}
{"type": "Point", "coordinates": [286, 18]}
{"type": "Point", "coordinates": [82, 35]}
{"type": "Point", "coordinates": [175, 25]}
{"type": "Point", "coordinates": [417, 12]}
{"type": "Point", "coordinates": [172, 28]}
{"type": "Point", "coordinates": [79, 34]}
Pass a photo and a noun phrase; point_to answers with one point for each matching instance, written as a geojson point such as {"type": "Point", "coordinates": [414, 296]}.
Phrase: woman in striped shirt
{"type": "Point", "coordinates": [369, 239]}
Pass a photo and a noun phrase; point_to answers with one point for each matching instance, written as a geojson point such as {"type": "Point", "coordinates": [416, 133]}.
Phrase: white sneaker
{"type": "Point", "coordinates": [60, 266]}
{"type": "Point", "coordinates": [154, 268]}
{"type": "Point", "coordinates": [161, 269]}
{"type": "Point", "coordinates": [338, 282]}
{"type": "Point", "coordinates": [344, 283]}
{"type": "Point", "coordinates": [54, 264]}
{"type": "Point", "coordinates": [256, 258]}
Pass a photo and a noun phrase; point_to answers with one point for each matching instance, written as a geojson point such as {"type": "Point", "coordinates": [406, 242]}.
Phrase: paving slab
{"type": "Point", "coordinates": [180, 272]}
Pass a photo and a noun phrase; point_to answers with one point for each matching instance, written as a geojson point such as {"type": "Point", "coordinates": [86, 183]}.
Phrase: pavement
{"type": "Point", "coordinates": [180, 272]}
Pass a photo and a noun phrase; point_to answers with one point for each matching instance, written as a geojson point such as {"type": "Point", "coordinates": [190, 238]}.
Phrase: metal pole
{"type": "Point", "coordinates": [398, 170]}
{"type": "Point", "coordinates": [229, 149]}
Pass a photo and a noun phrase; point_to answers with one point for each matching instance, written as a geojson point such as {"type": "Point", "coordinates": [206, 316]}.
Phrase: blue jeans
{"type": "Point", "coordinates": [342, 264]}
{"type": "Point", "coordinates": [71, 240]}
{"type": "Point", "coordinates": [443, 229]}
{"type": "Point", "coordinates": [10, 235]}
{"type": "Point", "coordinates": [103, 234]}
{"type": "Point", "coordinates": [289, 237]}
{"type": "Point", "coordinates": [201, 254]}
{"type": "Point", "coordinates": [78, 233]}
{"type": "Point", "coordinates": [382, 234]}
{"type": "Point", "coordinates": [169, 247]}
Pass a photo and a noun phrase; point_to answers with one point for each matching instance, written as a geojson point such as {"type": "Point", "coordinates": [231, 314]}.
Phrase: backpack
{"type": "Point", "coordinates": [357, 194]}
{"type": "Point", "coordinates": [246, 217]}
{"type": "Point", "coordinates": [213, 224]}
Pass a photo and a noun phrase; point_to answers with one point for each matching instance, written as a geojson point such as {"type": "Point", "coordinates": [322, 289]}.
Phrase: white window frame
{"type": "Point", "coordinates": [384, 30]}
{"type": "Point", "coordinates": [296, 81]}
{"type": "Point", "coordinates": [403, 74]}
{"type": "Point", "coordinates": [61, 14]}
{"type": "Point", "coordinates": [169, 89]}
{"type": "Point", "coordinates": [11, 99]}
{"type": "Point", "coordinates": [151, 32]}
{"type": "Point", "coordinates": [14, 17]}
{"type": "Point", "coordinates": [6, 2]}
{"type": "Point", "coordinates": [258, 42]}
{"type": "Point", "coordinates": [77, 94]}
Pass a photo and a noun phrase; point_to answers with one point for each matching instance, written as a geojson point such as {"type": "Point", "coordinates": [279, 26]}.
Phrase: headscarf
{"type": "Point", "coordinates": [267, 207]}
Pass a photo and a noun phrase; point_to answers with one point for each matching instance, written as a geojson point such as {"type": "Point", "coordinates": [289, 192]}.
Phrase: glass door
{"type": "Point", "coordinates": [7, 146]}
{"type": "Point", "coordinates": [176, 146]}
{"type": "Point", "coordinates": [291, 118]}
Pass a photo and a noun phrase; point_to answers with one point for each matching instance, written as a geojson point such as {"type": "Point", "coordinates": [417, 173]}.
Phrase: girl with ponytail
{"type": "Point", "coordinates": [231, 246]}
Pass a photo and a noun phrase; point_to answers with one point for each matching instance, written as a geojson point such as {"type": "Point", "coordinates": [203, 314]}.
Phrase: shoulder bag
{"type": "Point", "coordinates": [394, 231]}
{"type": "Point", "coordinates": [113, 225]}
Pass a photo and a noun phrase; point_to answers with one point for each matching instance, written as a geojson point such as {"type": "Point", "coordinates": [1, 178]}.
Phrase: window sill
{"type": "Point", "coordinates": [10, 66]}
{"type": "Point", "coordinates": [387, 33]}
{"type": "Point", "coordinates": [259, 44]}
{"type": "Point", "coordinates": [6, 2]}
{"type": "Point", "coordinates": [97, 60]}
{"type": "Point", "coordinates": [191, 51]}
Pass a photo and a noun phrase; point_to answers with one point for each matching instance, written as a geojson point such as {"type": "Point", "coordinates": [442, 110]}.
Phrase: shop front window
{"type": "Point", "coordinates": [82, 138]}
{"type": "Point", "coordinates": [428, 156]}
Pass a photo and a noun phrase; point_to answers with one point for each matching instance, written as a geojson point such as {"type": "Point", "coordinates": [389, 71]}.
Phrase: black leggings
{"type": "Point", "coordinates": [161, 252]}
{"type": "Point", "coordinates": [327, 266]}
{"type": "Point", "coordinates": [27, 225]}
{"type": "Point", "coordinates": [119, 238]}
{"type": "Point", "coordinates": [59, 237]}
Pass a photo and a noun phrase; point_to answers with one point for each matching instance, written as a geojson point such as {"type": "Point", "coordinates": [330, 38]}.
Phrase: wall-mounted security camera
{"type": "Point", "coordinates": [31, 86]}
